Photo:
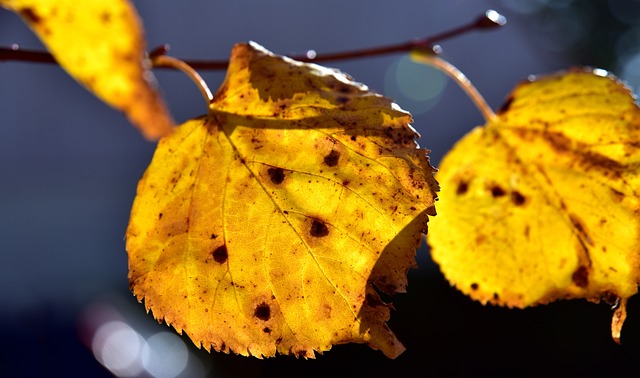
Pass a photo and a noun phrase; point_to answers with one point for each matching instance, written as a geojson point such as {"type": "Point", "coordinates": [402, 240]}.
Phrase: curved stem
{"type": "Point", "coordinates": [159, 60]}
{"type": "Point", "coordinates": [429, 57]}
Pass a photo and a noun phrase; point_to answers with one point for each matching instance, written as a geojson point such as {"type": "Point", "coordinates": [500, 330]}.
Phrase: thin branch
{"type": "Point", "coordinates": [16, 53]}
{"type": "Point", "coordinates": [489, 20]}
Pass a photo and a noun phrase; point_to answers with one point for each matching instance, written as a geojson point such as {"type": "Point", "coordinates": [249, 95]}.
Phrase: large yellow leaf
{"type": "Point", "coordinates": [100, 43]}
{"type": "Point", "coordinates": [542, 202]}
{"type": "Point", "coordinates": [264, 226]}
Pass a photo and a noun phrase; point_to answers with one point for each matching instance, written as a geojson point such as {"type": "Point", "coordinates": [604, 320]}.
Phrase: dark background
{"type": "Point", "coordinates": [69, 167]}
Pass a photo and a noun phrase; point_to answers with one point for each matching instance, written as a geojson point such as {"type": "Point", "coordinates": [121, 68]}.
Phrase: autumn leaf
{"type": "Point", "coordinates": [542, 202]}
{"type": "Point", "coordinates": [271, 224]}
{"type": "Point", "coordinates": [100, 44]}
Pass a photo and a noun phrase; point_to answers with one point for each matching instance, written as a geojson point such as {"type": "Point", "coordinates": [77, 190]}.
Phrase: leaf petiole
{"type": "Point", "coordinates": [429, 56]}
{"type": "Point", "coordinates": [161, 60]}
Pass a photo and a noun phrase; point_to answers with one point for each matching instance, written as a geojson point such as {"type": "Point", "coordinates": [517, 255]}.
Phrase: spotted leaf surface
{"type": "Point", "coordinates": [100, 44]}
{"type": "Point", "coordinates": [542, 202]}
{"type": "Point", "coordinates": [271, 224]}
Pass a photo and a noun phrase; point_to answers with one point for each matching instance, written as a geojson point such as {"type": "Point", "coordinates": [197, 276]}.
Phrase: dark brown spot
{"type": "Point", "coordinates": [353, 138]}
{"type": "Point", "coordinates": [462, 188]}
{"type": "Point", "coordinates": [318, 229]}
{"type": "Point", "coordinates": [506, 105]}
{"type": "Point", "coordinates": [497, 191]}
{"type": "Point", "coordinates": [517, 198]}
{"type": "Point", "coordinates": [159, 216]}
{"type": "Point", "coordinates": [581, 277]}
{"type": "Point", "coordinates": [346, 182]}
{"type": "Point", "coordinates": [266, 330]}
{"type": "Point", "coordinates": [262, 312]}
{"type": "Point", "coordinates": [474, 286]}
{"type": "Point", "coordinates": [332, 159]}
{"type": "Point", "coordinates": [30, 15]}
{"type": "Point", "coordinates": [220, 254]}
{"type": "Point", "coordinates": [495, 296]}
{"type": "Point", "coordinates": [105, 17]}
{"type": "Point", "coordinates": [213, 236]}
{"type": "Point", "coordinates": [276, 175]}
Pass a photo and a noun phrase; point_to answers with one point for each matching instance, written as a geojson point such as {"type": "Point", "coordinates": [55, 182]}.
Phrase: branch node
{"type": "Point", "coordinates": [491, 19]}
{"type": "Point", "coordinates": [160, 50]}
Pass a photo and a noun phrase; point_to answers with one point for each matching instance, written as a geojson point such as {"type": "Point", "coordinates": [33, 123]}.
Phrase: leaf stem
{"type": "Point", "coordinates": [161, 60]}
{"type": "Point", "coordinates": [619, 316]}
{"type": "Point", "coordinates": [489, 20]}
{"type": "Point", "coordinates": [429, 57]}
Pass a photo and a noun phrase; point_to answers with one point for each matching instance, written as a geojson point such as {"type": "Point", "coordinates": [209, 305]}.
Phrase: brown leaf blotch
{"type": "Point", "coordinates": [318, 229]}
{"type": "Point", "coordinates": [276, 175]}
{"type": "Point", "coordinates": [505, 106]}
{"type": "Point", "coordinates": [220, 254]}
{"type": "Point", "coordinates": [517, 198]}
{"type": "Point", "coordinates": [332, 159]}
{"type": "Point", "coordinates": [30, 15]}
{"type": "Point", "coordinates": [262, 312]}
{"type": "Point", "coordinates": [497, 191]}
{"type": "Point", "coordinates": [462, 188]}
{"type": "Point", "coordinates": [581, 277]}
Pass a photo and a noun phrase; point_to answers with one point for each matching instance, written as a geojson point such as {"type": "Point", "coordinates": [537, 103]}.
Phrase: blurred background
{"type": "Point", "coordinates": [69, 167]}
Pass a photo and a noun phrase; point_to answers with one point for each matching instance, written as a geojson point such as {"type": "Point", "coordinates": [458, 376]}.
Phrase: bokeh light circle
{"type": "Point", "coordinates": [416, 87]}
{"type": "Point", "coordinates": [117, 347]}
{"type": "Point", "coordinates": [164, 355]}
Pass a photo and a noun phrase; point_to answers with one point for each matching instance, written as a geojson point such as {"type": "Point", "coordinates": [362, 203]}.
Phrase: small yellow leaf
{"type": "Point", "coordinates": [100, 43]}
{"type": "Point", "coordinates": [264, 226]}
{"type": "Point", "coordinates": [542, 202]}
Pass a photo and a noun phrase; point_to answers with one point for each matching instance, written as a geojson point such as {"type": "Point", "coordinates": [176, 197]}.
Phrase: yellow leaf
{"type": "Point", "coordinates": [100, 44]}
{"type": "Point", "coordinates": [542, 202]}
{"type": "Point", "coordinates": [264, 226]}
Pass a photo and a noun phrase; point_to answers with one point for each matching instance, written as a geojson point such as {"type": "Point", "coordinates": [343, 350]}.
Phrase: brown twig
{"type": "Point", "coordinates": [15, 53]}
{"type": "Point", "coordinates": [489, 20]}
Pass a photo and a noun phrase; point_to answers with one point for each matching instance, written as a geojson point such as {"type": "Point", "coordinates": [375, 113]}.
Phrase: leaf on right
{"type": "Point", "coordinates": [542, 202]}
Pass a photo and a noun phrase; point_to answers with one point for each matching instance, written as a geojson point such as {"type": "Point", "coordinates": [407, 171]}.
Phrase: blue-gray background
{"type": "Point", "coordinates": [69, 167]}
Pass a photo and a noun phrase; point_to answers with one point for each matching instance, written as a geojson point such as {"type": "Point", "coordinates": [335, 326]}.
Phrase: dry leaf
{"type": "Point", "coordinates": [100, 44]}
{"type": "Point", "coordinates": [542, 202]}
{"type": "Point", "coordinates": [265, 226]}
